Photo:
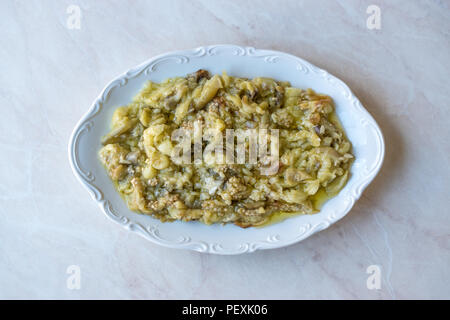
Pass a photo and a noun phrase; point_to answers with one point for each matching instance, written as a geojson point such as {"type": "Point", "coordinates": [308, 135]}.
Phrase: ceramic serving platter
{"type": "Point", "coordinates": [361, 129]}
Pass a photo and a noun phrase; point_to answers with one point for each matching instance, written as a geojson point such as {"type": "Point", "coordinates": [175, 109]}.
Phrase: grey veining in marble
{"type": "Point", "coordinates": [51, 71]}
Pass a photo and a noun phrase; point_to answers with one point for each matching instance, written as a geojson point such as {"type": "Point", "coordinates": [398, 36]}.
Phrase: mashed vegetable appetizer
{"type": "Point", "coordinates": [313, 153]}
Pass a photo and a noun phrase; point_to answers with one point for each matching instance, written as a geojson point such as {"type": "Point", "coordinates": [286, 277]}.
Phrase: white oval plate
{"type": "Point", "coordinates": [362, 130]}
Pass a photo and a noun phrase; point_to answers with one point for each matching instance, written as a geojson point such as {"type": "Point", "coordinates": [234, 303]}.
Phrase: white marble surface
{"type": "Point", "coordinates": [50, 74]}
